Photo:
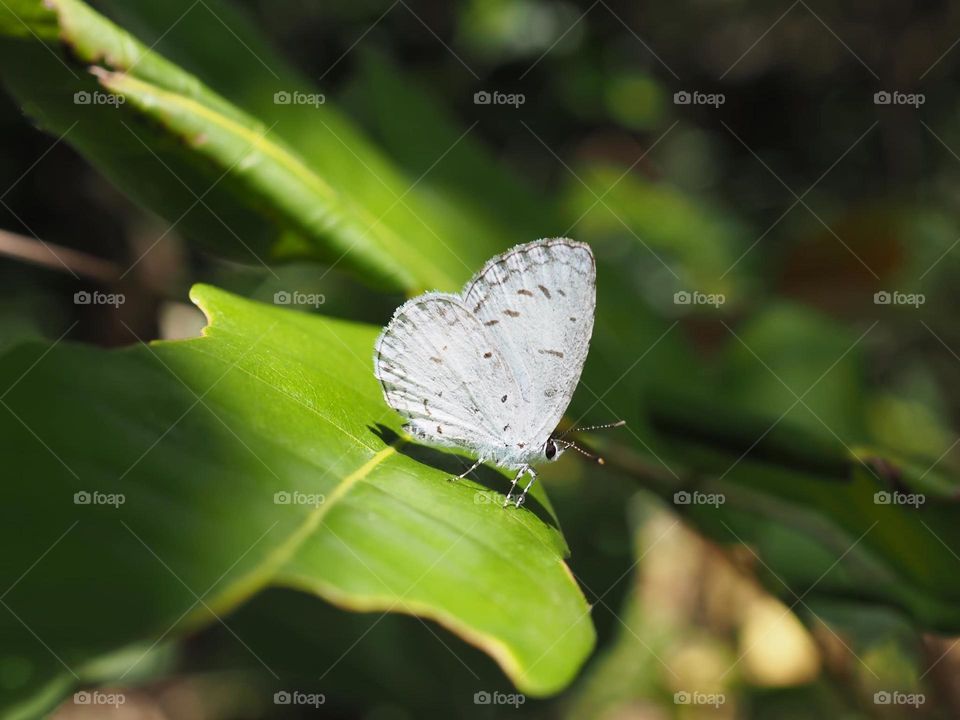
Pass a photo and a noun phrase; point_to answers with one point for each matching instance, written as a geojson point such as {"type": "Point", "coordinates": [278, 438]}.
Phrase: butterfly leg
{"type": "Point", "coordinates": [533, 479]}
{"type": "Point", "coordinates": [462, 475]}
{"type": "Point", "coordinates": [520, 473]}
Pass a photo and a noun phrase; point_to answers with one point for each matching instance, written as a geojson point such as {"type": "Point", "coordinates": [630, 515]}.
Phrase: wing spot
{"type": "Point", "coordinates": [491, 322]}
{"type": "Point", "coordinates": [520, 445]}
{"type": "Point", "coordinates": [573, 319]}
{"type": "Point", "coordinates": [561, 292]}
{"type": "Point", "coordinates": [524, 291]}
{"type": "Point", "coordinates": [555, 353]}
{"type": "Point", "coordinates": [439, 430]}
{"type": "Point", "coordinates": [503, 399]}
{"type": "Point", "coordinates": [488, 354]}
{"type": "Point", "coordinates": [545, 292]}
{"type": "Point", "coordinates": [436, 360]}
{"type": "Point", "coordinates": [511, 313]}
{"type": "Point", "coordinates": [505, 427]}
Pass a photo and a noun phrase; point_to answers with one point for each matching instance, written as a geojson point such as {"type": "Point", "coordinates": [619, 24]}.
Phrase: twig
{"type": "Point", "coordinates": [57, 257]}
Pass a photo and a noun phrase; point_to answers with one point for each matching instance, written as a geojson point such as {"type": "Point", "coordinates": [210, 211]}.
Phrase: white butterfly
{"type": "Point", "coordinates": [493, 369]}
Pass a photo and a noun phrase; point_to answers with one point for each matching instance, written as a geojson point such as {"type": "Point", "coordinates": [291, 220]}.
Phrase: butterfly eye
{"type": "Point", "coordinates": [550, 450]}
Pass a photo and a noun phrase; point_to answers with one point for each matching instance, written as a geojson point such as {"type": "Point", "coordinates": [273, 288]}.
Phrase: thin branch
{"type": "Point", "coordinates": [57, 257]}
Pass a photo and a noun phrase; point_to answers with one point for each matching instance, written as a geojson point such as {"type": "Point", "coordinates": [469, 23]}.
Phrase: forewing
{"type": "Point", "coordinates": [538, 301]}
{"type": "Point", "coordinates": [441, 370]}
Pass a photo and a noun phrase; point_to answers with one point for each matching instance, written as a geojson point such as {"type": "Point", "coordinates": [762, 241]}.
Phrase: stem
{"type": "Point", "coordinates": [57, 257]}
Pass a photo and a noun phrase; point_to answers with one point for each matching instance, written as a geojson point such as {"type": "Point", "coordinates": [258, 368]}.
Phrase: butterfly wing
{"type": "Point", "coordinates": [441, 370]}
{"type": "Point", "coordinates": [538, 300]}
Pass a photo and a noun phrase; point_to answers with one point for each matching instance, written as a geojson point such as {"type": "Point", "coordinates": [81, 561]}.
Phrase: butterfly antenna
{"type": "Point", "coordinates": [572, 446]}
{"type": "Point", "coordinates": [618, 423]}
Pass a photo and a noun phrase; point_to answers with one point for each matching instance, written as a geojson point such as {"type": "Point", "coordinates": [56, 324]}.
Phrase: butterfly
{"type": "Point", "coordinates": [493, 368]}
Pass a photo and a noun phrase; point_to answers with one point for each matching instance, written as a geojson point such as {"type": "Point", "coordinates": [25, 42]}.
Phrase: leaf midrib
{"type": "Point", "coordinates": [261, 575]}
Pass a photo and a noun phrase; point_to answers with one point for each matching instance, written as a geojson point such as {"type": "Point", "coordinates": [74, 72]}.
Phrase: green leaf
{"type": "Point", "coordinates": [298, 179]}
{"type": "Point", "coordinates": [198, 436]}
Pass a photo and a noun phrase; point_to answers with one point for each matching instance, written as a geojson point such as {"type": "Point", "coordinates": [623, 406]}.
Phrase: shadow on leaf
{"type": "Point", "coordinates": [453, 465]}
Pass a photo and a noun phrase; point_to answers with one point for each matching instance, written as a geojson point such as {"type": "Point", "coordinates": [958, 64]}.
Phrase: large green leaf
{"type": "Point", "coordinates": [199, 436]}
{"type": "Point", "coordinates": [250, 176]}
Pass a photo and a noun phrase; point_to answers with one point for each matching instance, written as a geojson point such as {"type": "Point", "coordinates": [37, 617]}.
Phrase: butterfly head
{"type": "Point", "coordinates": [552, 449]}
